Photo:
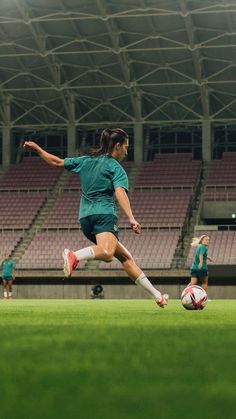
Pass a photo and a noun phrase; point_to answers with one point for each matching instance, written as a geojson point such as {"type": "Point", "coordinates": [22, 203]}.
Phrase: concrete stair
{"type": "Point", "coordinates": [133, 174]}
{"type": "Point", "coordinates": [196, 212]}
{"type": "Point", "coordinates": [183, 246]}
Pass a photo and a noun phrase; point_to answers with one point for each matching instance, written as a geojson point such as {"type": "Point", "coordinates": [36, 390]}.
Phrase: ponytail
{"type": "Point", "coordinates": [108, 139]}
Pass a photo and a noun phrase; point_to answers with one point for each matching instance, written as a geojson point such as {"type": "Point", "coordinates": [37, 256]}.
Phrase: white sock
{"type": "Point", "coordinates": [10, 294]}
{"type": "Point", "coordinates": [86, 253]}
{"type": "Point", "coordinates": [5, 294]}
{"type": "Point", "coordinates": [149, 288]}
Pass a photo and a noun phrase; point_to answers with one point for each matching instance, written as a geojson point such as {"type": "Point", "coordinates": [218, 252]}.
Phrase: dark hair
{"type": "Point", "coordinates": [108, 139]}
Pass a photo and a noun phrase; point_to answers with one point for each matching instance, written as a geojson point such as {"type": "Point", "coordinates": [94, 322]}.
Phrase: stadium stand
{"type": "Point", "coordinates": [152, 250]}
{"type": "Point", "coordinates": [154, 207]}
{"type": "Point", "coordinates": [73, 182]}
{"type": "Point", "coordinates": [161, 204]}
{"type": "Point", "coordinates": [169, 170]}
{"type": "Point", "coordinates": [64, 213]}
{"type": "Point", "coordinates": [9, 240]}
{"type": "Point", "coordinates": [221, 181]}
{"type": "Point", "coordinates": [45, 250]}
{"type": "Point", "coordinates": [159, 208]}
{"type": "Point", "coordinates": [31, 173]}
{"type": "Point", "coordinates": [18, 210]}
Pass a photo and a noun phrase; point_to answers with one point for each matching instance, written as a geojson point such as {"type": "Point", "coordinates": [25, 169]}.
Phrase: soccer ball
{"type": "Point", "coordinates": [194, 298]}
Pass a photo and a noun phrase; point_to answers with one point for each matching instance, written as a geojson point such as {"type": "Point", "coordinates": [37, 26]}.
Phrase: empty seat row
{"type": "Point", "coordinates": [151, 250]}
{"type": "Point", "coordinates": [45, 250]}
{"type": "Point", "coordinates": [19, 210]}
{"type": "Point", "coordinates": [9, 240]}
{"type": "Point", "coordinates": [32, 172]}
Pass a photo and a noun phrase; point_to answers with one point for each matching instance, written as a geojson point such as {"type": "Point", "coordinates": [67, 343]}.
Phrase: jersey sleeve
{"type": "Point", "coordinates": [120, 178]}
{"type": "Point", "coordinates": [73, 164]}
{"type": "Point", "coordinates": [202, 250]}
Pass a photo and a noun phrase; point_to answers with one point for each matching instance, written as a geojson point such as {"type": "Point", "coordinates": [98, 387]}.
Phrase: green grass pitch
{"type": "Point", "coordinates": [116, 359]}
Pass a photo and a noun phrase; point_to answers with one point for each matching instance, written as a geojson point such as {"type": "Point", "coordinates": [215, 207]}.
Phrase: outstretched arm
{"type": "Point", "coordinates": [123, 200]}
{"type": "Point", "coordinates": [49, 158]}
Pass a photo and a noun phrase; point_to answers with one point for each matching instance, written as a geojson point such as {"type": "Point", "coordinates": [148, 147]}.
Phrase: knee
{"type": "Point", "coordinates": [107, 256]}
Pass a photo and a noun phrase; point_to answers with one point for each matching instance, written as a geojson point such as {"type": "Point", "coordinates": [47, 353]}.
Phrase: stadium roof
{"type": "Point", "coordinates": [93, 62]}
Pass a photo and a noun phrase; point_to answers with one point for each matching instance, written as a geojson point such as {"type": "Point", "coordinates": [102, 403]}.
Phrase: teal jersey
{"type": "Point", "coordinates": [201, 250]}
{"type": "Point", "coordinates": [7, 268]}
{"type": "Point", "coordinates": [99, 177]}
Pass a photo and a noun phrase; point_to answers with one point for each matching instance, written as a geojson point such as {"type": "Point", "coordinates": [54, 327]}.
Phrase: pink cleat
{"type": "Point", "coordinates": [70, 262]}
{"type": "Point", "coordinates": [163, 301]}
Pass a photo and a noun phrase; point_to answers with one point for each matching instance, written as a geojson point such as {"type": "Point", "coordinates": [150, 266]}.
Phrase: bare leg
{"type": "Point", "coordinates": [137, 275]}
{"type": "Point", "coordinates": [103, 250]}
{"type": "Point", "coordinates": [193, 281]}
{"type": "Point", "coordinates": [205, 284]}
{"type": "Point", "coordinates": [108, 246]}
{"type": "Point", "coordinates": [10, 289]}
{"type": "Point", "coordinates": [105, 247]}
{"type": "Point", "coordinates": [5, 288]}
{"type": "Point", "coordinates": [129, 265]}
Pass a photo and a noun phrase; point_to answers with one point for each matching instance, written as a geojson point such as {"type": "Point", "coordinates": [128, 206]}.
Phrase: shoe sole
{"type": "Point", "coordinates": [66, 269]}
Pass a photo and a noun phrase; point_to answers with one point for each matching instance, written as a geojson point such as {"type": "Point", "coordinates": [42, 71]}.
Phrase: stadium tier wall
{"type": "Point", "coordinates": [222, 287]}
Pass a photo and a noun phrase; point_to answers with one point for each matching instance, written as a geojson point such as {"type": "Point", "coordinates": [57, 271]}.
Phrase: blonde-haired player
{"type": "Point", "coordinates": [199, 268]}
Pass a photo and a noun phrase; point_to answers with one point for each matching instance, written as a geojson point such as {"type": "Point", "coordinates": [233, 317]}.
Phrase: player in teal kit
{"type": "Point", "coordinates": [102, 180]}
{"type": "Point", "coordinates": [8, 276]}
{"type": "Point", "coordinates": [100, 177]}
{"type": "Point", "coordinates": [199, 268]}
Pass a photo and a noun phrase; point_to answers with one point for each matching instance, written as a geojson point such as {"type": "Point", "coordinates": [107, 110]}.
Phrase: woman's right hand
{"type": "Point", "coordinates": [31, 145]}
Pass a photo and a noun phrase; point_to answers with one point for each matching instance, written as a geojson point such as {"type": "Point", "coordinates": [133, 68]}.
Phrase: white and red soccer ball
{"type": "Point", "coordinates": [194, 297]}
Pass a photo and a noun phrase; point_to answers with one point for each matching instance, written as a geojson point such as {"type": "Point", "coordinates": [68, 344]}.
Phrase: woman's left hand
{"type": "Point", "coordinates": [136, 227]}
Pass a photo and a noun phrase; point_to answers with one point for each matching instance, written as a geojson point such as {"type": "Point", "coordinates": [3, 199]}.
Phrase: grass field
{"type": "Point", "coordinates": [116, 359]}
